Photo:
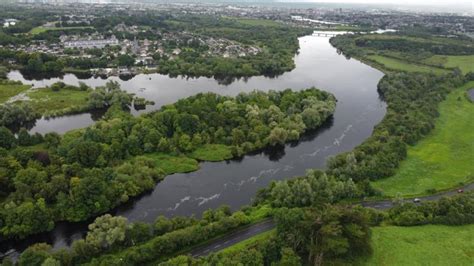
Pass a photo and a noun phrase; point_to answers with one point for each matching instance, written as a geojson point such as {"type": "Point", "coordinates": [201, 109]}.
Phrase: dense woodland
{"type": "Point", "coordinates": [88, 172]}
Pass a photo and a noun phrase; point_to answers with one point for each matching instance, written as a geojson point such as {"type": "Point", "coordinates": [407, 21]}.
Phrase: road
{"type": "Point", "coordinates": [233, 238]}
{"type": "Point", "coordinates": [255, 229]}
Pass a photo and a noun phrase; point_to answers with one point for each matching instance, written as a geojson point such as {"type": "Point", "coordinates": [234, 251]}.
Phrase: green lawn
{"type": "Point", "coordinates": [396, 64]}
{"type": "Point", "coordinates": [422, 245]}
{"type": "Point", "coordinates": [45, 100]}
{"type": "Point", "coordinates": [445, 157]}
{"type": "Point", "coordinates": [212, 152]}
{"type": "Point", "coordinates": [8, 90]}
{"type": "Point", "coordinates": [41, 29]}
{"type": "Point", "coordinates": [464, 62]}
{"type": "Point", "coordinates": [174, 163]}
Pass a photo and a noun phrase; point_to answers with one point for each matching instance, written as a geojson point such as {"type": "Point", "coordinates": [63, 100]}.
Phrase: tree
{"type": "Point", "coordinates": [85, 152]}
{"type": "Point", "coordinates": [125, 60]}
{"type": "Point", "coordinates": [325, 233]}
{"type": "Point", "coordinates": [27, 218]}
{"type": "Point", "coordinates": [238, 136]}
{"type": "Point", "coordinates": [289, 258]}
{"type": "Point", "coordinates": [106, 231]}
{"type": "Point", "coordinates": [51, 262]}
{"type": "Point", "coordinates": [162, 225]}
{"type": "Point", "coordinates": [24, 138]}
{"type": "Point", "coordinates": [35, 64]}
{"type": "Point", "coordinates": [311, 117]}
{"type": "Point", "coordinates": [35, 255]}
{"type": "Point", "coordinates": [138, 232]}
{"type": "Point", "coordinates": [52, 139]}
{"type": "Point", "coordinates": [278, 136]}
{"type": "Point", "coordinates": [7, 139]}
{"type": "Point", "coordinates": [184, 143]}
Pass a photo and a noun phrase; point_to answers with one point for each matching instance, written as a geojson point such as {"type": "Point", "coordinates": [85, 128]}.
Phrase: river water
{"type": "Point", "coordinates": [236, 182]}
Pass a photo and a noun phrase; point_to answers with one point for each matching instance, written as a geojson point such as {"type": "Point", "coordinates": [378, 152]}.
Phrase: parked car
{"type": "Point", "coordinates": [416, 200]}
{"type": "Point", "coordinates": [460, 190]}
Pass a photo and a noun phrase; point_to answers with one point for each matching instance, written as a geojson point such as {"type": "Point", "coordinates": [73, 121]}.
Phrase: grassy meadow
{"type": "Point", "coordinates": [464, 62]}
{"type": "Point", "coordinates": [443, 159]}
{"type": "Point", "coordinates": [172, 164]}
{"type": "Point", "coordinates": [422, 245]}
{"type": "Point", "coordinates": [8, 90]}
{"type": "Point", "coordinates": [212, 153]}
{"type": "Point", "coordinates": [46, 100]}
{"type": "Point", "coordinates": [400, 65]}
{"type": "Point", "coordinates": [41, 29]}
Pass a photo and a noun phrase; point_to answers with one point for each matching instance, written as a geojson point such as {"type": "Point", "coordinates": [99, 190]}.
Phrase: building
{"type": "Point", "coordinates": [91, 43]}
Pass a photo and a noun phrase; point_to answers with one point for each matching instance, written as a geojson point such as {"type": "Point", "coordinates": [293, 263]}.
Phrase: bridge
{"type": "Point", "coordinates": [324, 34]}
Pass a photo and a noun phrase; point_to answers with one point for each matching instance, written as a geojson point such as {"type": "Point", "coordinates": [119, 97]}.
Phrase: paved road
{"type": "Point", "coordinates": [267, 225]}
{"type": "Point", "coordinates": [386, 204]}
{"type": "Point", "coordinates": [233, 238]}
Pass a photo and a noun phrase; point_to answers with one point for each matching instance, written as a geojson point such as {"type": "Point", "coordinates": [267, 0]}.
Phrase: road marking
{"type": "Point", "coordinates": [226, 242]}
{"type": "Point", "coordinates": [207, 250]}
{"type": "Point", "coordinates": [217, 246]}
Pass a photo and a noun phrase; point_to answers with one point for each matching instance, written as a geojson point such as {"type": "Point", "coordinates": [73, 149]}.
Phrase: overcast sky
{"type": "Point", "coordinates": [411, 2]}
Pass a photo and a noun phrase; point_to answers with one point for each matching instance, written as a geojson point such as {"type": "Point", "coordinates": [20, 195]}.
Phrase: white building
{"type": "Point", "coordinates": [91, 43]}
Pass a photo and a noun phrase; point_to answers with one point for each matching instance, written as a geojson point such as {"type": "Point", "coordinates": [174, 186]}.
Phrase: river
{"type": "Point", "coordinates": [235, 182]}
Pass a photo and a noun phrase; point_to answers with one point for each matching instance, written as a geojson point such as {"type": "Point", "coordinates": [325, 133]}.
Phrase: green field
{"type": "Point", "coordinates": [419, 39]}
{"type": "Point", "coordinates": [212, 152]}
{"type": "Point", "coordinates": [258, 22]}
{"type": "Point", "coordinates": [422, 245]}
{"type": "Point", "coordinates": [445, 157]}
{"type": "Point", "coordinates": [8, 90]}
{"type": "Point", "coordinates": [171, 164]}
{"type": "Point", "coordinates": [464, 62]}
{"type": "Point", "coordinates": [41, 29]}
{"type": "Point", "coordinates": [45, 100]}
{"type": "Point", "coordinates": [396, 64]}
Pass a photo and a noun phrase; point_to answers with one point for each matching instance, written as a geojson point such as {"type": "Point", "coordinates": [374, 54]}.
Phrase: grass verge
{"type": "Point", "coordinates": [242, 245]}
